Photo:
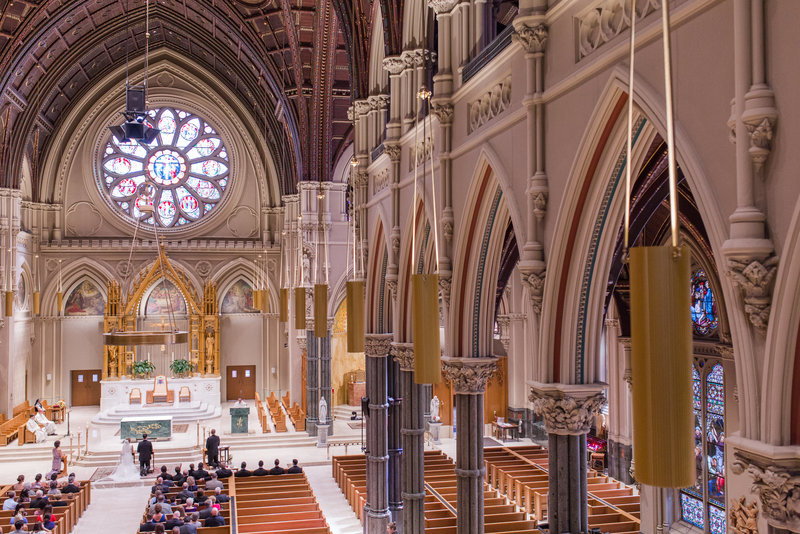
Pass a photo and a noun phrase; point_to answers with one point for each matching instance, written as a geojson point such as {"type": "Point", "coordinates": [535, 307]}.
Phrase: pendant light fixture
{"type": "Point", "coordinates": [661, 336]}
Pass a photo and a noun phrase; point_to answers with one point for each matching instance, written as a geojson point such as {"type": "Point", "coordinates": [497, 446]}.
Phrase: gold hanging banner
{"type": "Point", "coordinates": [355, 316]}
{"type": "Point", "coordinates": [9, 303]}
{"type": "Point", "coordinates": [425, 313]}
{"type": "Point", "coordinates": [264, 300]}
{"type": "Point", "coordinates": [300, 308]}
{"type": "Point", "coordinates": [60, 303]}
{"type": "Point", "coordinates": [36, 302]}
{"type": "Point", "coordinates": [284, 311]}
{"type": "Point", "coordinates": [320, 310]}
{"type": "Point", "coordinates": [661, 364]}
{"type": "Point", "coordinates": [257, 299]}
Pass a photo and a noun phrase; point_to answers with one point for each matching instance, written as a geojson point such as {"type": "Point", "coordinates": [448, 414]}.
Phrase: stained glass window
{"type": "Point", "coordinates": [704, 305]}
{"type": "Point", "coordinates": [704, 503]}
{"type": "Point", "coordinates": [187, 164]}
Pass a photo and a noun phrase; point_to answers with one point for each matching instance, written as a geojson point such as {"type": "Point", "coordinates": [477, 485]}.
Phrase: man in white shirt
{"type": "Point", "coordinates": [49, 426]}
{"type": "Point", "coordinates": [34, 428]}
{"type": "Point", "coordinates": [11, 502]}
{"type": "Point", "coordinates": [240, 403]}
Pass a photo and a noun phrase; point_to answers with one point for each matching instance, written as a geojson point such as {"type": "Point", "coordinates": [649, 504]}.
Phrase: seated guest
{"type": "Point", "coordinates": [54, 491]}
{"type": "Point", "coordinates": [201, 497]}
{"type": "Point", "coordinates": [212, 503]}
{"type": "Point", "coordinates": [391, 528]}
{"type": "Point", "coordinates": [185, 494]}
{"type": "Point", "coordinates": [20, 485]}
{"type": "Point", "coordinates": [37, 482]}
{"type": "Point", "coordinates": [191, 470]}
{"type": "Point", "coordinates": [162, 504]}
{"type": "Point", "coordinates": [24, 496]}
{"type": "Point", "coordinates": [10, 503]}
{"type": "Point", "coordinates": [295, 468]}
{"type": "Point", "coordinates": [189, 507]}
{"type": "Point", "coordinates": [260, 472]}
{"type": "Point", "coordinates": [277, 470]}
{"type": "Point", "coordinates": [154, 498]}
{"type": "Point", "coordinates": [40, 501]}
{"type": "Point", "coordinates": [38, 528]}
{"type": "Point", "coordinates": [177, 478]}
{"type": "Point", "coordinates": [48, 511]}
{"type": "Point", "coordinates": [71, 486]}
{"type": "Point", "coordinates": [215, 520]}
{"type": "Point", "coordinates": [148, 527]}
{"type": "Point", "coordinates": [159, 529]}
{"type": "Point", "coordinates": [48, 522]}
{"type": "Point", "coordinates": [174, 522]}
{"type": "Point", "coordinates": [191, 525]}
{"type": "Point", "coordinates": [223, 471]}
{"type": "Point", "coordinates": [220, 497]}
{"type": "Point", "coordinates": [18, 527]}
{"type": "Point", "coordinates": [158, 516]}
{"type": "Point", "coordinates": [192, 484]}
{"type": "Point", "coordinates": [159, 485]}
{"type": "Point", "coordinates": [200, 473]}
{"type": "Point", "coordinates": [36, 429]}
{"type": "Point", "coordinates": [243, 472]}
{"type": "Point", "coordinates": [214, 482]}
{"type": "Point", "coordinates": [176, 530]}
{"type": "Point", "coordinates": [20, 514]}
{"type": "Point", "coordinates": [164, 473]}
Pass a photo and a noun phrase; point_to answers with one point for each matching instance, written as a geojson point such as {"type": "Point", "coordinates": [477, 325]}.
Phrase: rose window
{"type": "Point", "coordinates": [187, 166]}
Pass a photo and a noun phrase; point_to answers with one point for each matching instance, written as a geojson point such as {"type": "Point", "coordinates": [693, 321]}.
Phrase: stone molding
{"type": "Point", "coordinates": [442, 6]}
{"type": "Point", "coordinates": [534, 281]}
{"type": "Point", "coordinates": [380, 181]}
{"type": "Point", "coordinates": [394, 64]}
{"type": "Point", "coordinates": [743, 516]}
{"type": "Point", "coordinates": [403, 354]}
{"type": "Point", "coordinates": [443, 112]}
{"type": "Point", "coordinates": [755, 278]}
{"type": "Point", "coordinates": [393, 151]}
{"type": "Point", "coordinates": [468, 376]}
{"type": "Point", "coordinates": [565, 413]}
{"type": "Point", "coordinates": [778, 489]}
{"type": "Point", "coordinates": [302, 341]}
{"type": "Point", "coordinates": [532, 38]}
{"type": "Point", "coordinates": [606, 20]}
{"type": "Point", "coordinates": [422, 152]}
{"type": "Point", "coordinates": [377, 345]}
{"type": "Point", "coordinates": [489, 105]}
{"type": "Point", "coordinates": [445, 281]}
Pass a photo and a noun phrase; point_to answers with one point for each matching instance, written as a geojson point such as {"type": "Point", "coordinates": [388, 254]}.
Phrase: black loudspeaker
{"type": "Point", "coordinates": [133, 130]}
{"type": "Point", "coordinates": [365, 406]}
{"type": "Point", "coordinates": [135, 100]}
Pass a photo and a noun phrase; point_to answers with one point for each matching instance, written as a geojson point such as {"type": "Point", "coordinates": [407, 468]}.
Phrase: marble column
{"type": "Point", "coordinates": [568, 412]}
{"type": "Point", "coordinates": [376, 510]}
{"type": "Point", "coordinates": [325, 376]}
{"type": "Point", "coordinates": [312, 380]}
{"type": "Point", "coordinates": [468, 377]}
{"type": "Point", "coordinates": [413, 436]}
{"type": "Point", "coordinates": [395, 397]}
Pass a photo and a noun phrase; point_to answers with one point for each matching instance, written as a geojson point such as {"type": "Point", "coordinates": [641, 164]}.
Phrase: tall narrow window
{"type": "Point", "coordinates": [703, 505]}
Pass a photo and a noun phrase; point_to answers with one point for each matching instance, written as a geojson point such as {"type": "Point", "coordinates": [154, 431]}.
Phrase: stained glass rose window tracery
{"type": "Point", "coordinates": [187, 164]}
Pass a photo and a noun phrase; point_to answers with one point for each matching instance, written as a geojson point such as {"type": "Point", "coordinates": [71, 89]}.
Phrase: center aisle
{"type": "Point", "coordinates": [124, 505]}
{"type": "Point", "coordinates": [332, 502]}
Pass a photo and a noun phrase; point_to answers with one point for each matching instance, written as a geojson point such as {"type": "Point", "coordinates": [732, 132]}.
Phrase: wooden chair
{"type": "Point", "coordinates": [598, 462]}
{"type": "Point", "coordinates": [160, 391]}
{"type": "Point", "coordinates": [185, 394]}
{"type": "Point", "coordinates": [135, 396]}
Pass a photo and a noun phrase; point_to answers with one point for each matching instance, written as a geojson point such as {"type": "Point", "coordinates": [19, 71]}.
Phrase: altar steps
{"type": "Point", "coordinates": [184, 412]}
{"type": "Point", "coordinates": [342, 412]}
{"type": "Point", "coordinates": [163, 456]}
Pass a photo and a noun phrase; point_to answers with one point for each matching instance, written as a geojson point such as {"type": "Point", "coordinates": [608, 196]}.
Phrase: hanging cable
{"type": "Point", "coordinates": [673, 172]}
{"type": "Point", "coordinates": [629, 144]}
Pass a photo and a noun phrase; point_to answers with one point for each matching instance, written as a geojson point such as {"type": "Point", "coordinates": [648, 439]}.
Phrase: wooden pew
{"type": "Point", "coordinates": [279, 504]}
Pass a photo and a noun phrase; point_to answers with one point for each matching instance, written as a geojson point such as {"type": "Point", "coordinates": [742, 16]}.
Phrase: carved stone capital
{"type": "Point", "coordinates": [362, 107]}
{"type": "Point", "coordinates": [778, 489]}
{"type": "Point", "coordinates": [504, 321]}
{"type": "Point", "coordinates": [377, 345]}
{"type": "Point", "coordinates": [403, 354]}
{"type": "Point", "coordinates": [394, 64]}
{"type": "Point", "coordinates": [755, 279]}
{"type": "Point", "coordinates": [564, 413]}
{"type": "Point", "coordinates": [442, 6]}
{"type": "Point", "coordinates": [468, 376]}
{"type": "Point", "coordinates": [391, 284]}
{"type": "Point", "coordinates": [444, 289]}
{"type": "Point", "coordinates": [532, 38]}
{"type": "Point", "coordinates": [393, 151]}
{"type": "Point", "coordinates": [534, 281]}
{"type": "Point", "coordinates": [302, 341]}
{"type": "Point", "coordinates": [443, 112]}
{"type": "Point", "coordinates": [361, 179]}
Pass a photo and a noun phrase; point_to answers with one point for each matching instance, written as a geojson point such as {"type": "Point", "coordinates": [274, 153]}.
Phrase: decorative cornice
{"type": "Point", "coordinates": [778, 489]}
{"type": "Point", "coordinates": [532, 38]}
{"type": "Point", "coordinates": [755, 278]}
{"type": "Point", "coordinates": [377, 345]}
{"type": "Point", "coordinates": [468, 376]}
{"type": "Point", "coordinates": [566, 414]}
{"type": "Point", "coordinates": [442, 6]}
{"type": "Point", "coordinates": [489, 105]}
{"type": "Point", "coordinates": [403, 354]}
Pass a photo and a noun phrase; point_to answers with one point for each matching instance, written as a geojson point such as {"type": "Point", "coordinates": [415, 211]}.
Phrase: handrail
{"type": "Point", "coordinates": [441, 499]}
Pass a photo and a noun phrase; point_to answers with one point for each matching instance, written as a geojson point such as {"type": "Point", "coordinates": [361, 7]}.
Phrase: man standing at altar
{"type": "Point", "coordinates": [212, 449]}
{"type": "Point", "coordinates": [145, 451]}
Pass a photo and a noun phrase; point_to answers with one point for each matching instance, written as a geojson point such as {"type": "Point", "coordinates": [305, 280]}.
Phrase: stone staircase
{"type": "Point", "coordinates": [180, 412]}
{"type": "Point", "coordinates": [342, 412]}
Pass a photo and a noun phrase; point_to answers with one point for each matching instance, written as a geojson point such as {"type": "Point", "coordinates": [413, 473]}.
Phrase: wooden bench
{"type": "Point", "coordinates": [10, 429]}
{"type": "Point", "coordinates": [22, 408]}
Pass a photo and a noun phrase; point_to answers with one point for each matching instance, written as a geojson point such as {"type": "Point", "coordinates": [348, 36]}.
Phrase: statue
{"type": "Point", "coordinates": [435, 409]}
{"type": "Point", "coordinates": [209, 353]}
{"type": "Point", "coordinates": [323, 411]}
{"type": "Point", "coordinates": [112, 360]}
{"type": "Point", "coordinates": [306, 268]}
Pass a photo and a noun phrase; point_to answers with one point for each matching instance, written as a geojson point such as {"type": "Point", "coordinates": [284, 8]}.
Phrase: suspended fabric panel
{"type": "Point", "coordinates": [37, 300]}
{"type": "Point", "coordinates": [284, 305]}
{"type": "Point", "coordinates": [300, 308]}
{"type": "Point", "coordinates": [427, 343]}
{"type": "Point", "coordinates": [60, 302]}
{"type": "Point", "coordinates": [355, 316]}
{"type": "Point", "coordinates": [320, 310]}
{"type": "Point", "coordinates": [9, 303]}
{"type": "Point", "coordinates": [661, 364]}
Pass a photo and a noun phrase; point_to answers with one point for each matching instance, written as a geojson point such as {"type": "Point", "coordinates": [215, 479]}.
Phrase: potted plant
{"type": "Point", "coordinates": [143, 369]}
{"type": "Point", "coordinates": [180, 368]}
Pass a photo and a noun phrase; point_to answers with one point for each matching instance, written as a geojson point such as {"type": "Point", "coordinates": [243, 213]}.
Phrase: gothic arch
{"type": "Point", "coordinates": [71, 274]}
{"type": "Point", "coordinates": [378, 303]}
{"type": "Point", "coordinates": [226, 275]}
{"type": "Point", "coordinates": [378, 76]}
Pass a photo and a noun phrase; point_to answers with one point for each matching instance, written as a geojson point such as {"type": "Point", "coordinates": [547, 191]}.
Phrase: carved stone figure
{"type": "Point", "coordinates": [435, 409]}
{"type": "Point", "coordinates": [209, 353]}
{"type": "Point", "coordinates": [323, 410]}
{"type": "Point", "coordinates": [744, 517]}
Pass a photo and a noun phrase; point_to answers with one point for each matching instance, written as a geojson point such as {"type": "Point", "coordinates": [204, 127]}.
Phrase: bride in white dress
{"type": "Point", "coordinates": [125, 471]}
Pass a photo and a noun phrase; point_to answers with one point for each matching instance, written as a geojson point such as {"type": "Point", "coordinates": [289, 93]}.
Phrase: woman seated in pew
{"type": "Point", "coordinates": [200, 497]}
{"type": "Point", "coordinates": [158, 516]}
{"type": "Point", "coordinates": [38, 528]}
{"type": "Point", "coordinates": [20, 485]}
{"type": "Point", "coordinates": [42, 515]}
{"type": "Point", "coordinates": [37, 482]}
{"type": "Point", "coordinates": [192, 483]}
{"type": "Point", "coordinates": [212, 503]}
{"type": "Point", "coordinates": [49, 522]}
{"type": "Point", "coordinates": [189, 507]}
{"type": "Point", "coordinates": [25, 496]}
{"type": "Point", "coordinates": [220, 497]}
{"type": "Point", "coordinates": [20, 514]}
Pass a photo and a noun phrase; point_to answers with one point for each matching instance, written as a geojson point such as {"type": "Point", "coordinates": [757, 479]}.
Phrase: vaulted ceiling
{"type": "Point", "coordinates": [297, 63]}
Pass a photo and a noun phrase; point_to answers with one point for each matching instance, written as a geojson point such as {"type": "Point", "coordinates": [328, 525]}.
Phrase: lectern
{"type": "Point", "coordinates": [239, 420]}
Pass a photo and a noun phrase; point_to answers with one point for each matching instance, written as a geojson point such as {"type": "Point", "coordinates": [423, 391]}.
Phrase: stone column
{"type": "Point", "coordinates": [312, 379]}
{"type": "Point", "coordinates": [468, 377]}
{"type": "Point", "coordinates": [376, 510]}
{"type": "Point", "coordinates": [395, 396]}
{"type": "Point", "coordinates": [568, 412]}
{"type": "Point", "coordinates": [325, 376]}
{"type": "Point", "coordinates": [413, 435]}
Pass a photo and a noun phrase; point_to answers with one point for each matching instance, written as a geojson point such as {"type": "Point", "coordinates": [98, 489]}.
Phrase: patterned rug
{"type": "Point", "coordinates": [177, 428]}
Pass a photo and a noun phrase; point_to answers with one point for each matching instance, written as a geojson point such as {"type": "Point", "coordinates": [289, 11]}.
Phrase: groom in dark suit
{"type": "Point", "coordinates": [145, 450]}
{"type": "Point", "coordinates": [212, 449]}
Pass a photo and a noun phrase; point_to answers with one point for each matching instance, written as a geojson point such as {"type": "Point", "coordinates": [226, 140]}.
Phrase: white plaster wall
{"type": "Point", "coordinates": [81, 348]}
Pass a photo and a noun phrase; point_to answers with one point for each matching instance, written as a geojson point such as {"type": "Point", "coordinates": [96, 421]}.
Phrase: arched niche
{"type": "Point", "coordinates": [84, 298]}
{"type": "Point", "coordinates": [238, 298]}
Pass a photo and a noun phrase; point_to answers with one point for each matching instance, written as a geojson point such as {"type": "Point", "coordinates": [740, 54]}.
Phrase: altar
{"type": "Point", "coordinates": [156, 427]}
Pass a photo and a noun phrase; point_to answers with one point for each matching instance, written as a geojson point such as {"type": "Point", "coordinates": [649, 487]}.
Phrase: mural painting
{"type": "Point", "coordinates": [85, 300]}
{"type": "Point", "coordinates": [239, 299]}
{"type": "Point", "coordinates": [160, 298]}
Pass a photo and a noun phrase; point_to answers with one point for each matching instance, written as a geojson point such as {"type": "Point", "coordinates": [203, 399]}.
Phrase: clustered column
{"type": "Point", "coordinates": [376, 510]}
{"type": "Point", "coordinates": [568, 413]}
{"type": "Point", "coordinates": [394, 444]}
{"type": "Point", "coordinates": [312, 378]}
{"type": "Point", "coordinates": [325, 376]}
{"type": "Point", "coordinates": [413, 436]}
{"type": "Point", "coordinates": [468, 377]}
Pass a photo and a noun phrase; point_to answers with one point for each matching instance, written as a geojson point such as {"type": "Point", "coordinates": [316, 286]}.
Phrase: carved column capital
{"type": "Point", "coordinates": [534, 281]}
{"type": "Point", "coordinates": [394, 64]}
{"type": "Point", "coordinates": [778, 489]}
{"type": "Point", "coordinates": [403, 354]}
{"type": "Point", "coordinates": [532, 38]}
{"type": "Point", "coordinates": [755, 278]}
{"type": "Point", "coordinates": [302, 341]}
{"type": "Point", "coordinates": [569, 412]}
{"type": "Point", "coordinates": [469, 376]}
{"type": "Point", "coordinates": [443, 112]}
{"type": "Point", "coordinates": [393, 151]}
{"type": "Point", "coordinates": [377, 345]}
{"type": "Point", "coordinates": [442, 6]}
{"type": "Point", "coordinates": [445, 281]}
{"type": "Point", "coordinates": [362, 107]}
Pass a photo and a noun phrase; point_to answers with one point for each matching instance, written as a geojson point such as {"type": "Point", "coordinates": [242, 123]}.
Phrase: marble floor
{"type": "Point", "coordinates": [127, 503]}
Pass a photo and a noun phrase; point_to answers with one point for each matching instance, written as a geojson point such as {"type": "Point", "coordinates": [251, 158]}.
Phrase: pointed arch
{"type": "Point", "coordinates": [71, 275]}
{"type": "Point", "coordinates": [378, 76]}
{"type": "Point", "coordinates": [423, 263]}
{"type": "Point", "coordinates": [377, 320]}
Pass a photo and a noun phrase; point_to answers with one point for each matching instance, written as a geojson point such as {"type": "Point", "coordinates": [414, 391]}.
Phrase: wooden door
{"type": "Point", "coordinates": [86, 387]}
{"type": "Point", "coordinates": [240, 382]}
